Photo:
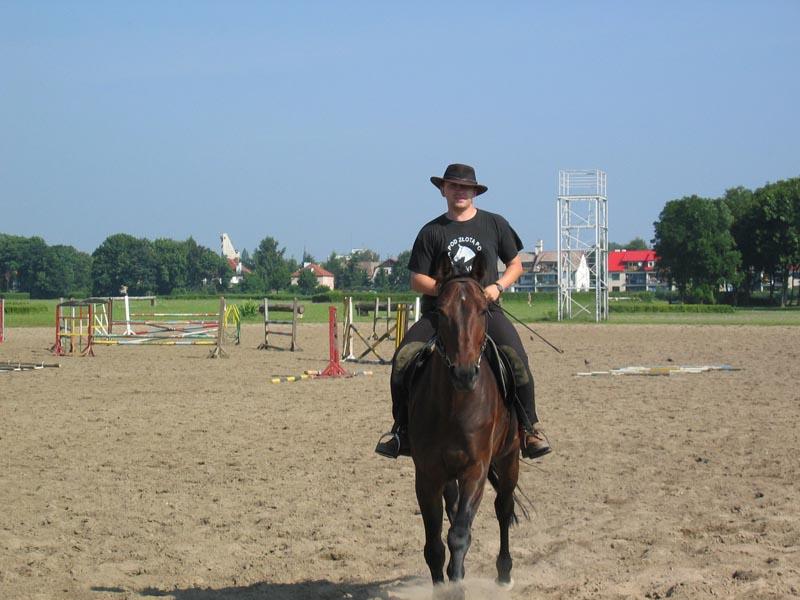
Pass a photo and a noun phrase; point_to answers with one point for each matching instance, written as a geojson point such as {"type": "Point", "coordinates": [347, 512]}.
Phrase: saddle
{"type": "Point", "coordinates": [503, 360]}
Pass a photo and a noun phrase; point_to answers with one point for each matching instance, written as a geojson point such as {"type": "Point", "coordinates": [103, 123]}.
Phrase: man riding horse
{"type": "Point", "coordinates": [464, 231]}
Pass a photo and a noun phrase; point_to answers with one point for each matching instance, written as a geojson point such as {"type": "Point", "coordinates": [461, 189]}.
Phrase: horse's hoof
{"type": "Point", "coordinates": [507, 586]}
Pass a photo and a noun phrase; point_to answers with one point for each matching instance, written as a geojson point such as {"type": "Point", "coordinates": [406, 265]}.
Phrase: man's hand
{"type": "Point", "coordinates": [491, 292]}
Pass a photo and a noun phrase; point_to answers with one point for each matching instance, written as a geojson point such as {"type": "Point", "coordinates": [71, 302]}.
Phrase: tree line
{"type": "Point", "coordinates": [166, 267]}
{"type": "Point", "coordinates": [734, 243]}
{"type": "Point", "coordinates": [271, 270]}
{"type": "Point", "coordinates": [705, 245]}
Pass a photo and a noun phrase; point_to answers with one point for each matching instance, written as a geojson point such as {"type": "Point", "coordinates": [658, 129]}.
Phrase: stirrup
{"type": "Point", "coordinates": [530, 451]}
{"type": "Point", "coordinates": [391, 447]}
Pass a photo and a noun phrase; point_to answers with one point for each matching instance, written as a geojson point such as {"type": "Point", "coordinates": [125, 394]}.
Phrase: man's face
{"type": "Point", "coordinates": [458, 196]}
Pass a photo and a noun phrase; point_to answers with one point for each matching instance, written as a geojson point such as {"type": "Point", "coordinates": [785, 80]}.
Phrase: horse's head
{"type": "Point", "coordinates": [462, 312]}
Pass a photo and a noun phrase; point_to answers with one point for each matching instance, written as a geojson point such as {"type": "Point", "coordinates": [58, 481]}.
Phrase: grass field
{"type": "Point", "coordinates": [42, 313]}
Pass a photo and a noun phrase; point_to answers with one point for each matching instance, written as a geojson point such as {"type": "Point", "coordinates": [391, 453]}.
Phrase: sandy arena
{"type": "Point", "coordinates": [156, 473]}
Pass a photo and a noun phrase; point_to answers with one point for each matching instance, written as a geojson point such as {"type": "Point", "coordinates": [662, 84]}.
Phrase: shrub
{"type": "Point", "coordinates": [670, 308]}
{"type": "Point", "coordinates": [15, 296]}
{"type": "Point", "coordinates": [19, 308]}
{"type": "Point", "coordinates": [248, 308]}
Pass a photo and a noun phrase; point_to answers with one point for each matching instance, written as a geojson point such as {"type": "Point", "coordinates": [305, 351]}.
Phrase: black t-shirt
{"type": "Point", "coordinates": [486, 232]}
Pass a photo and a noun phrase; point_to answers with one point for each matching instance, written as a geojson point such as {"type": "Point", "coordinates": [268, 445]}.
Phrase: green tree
{"type": "Point", "coordinates": [205, 267]}
{"type": "Point", "coordinates": [271, 265]}
{"type": "Point", "coordinates": [743, 208]}
{"type": "Point", "coordinates": [695, 246]}
{"type": "Point", "coordinates": [123, 260]}
{"type": "Point", "coordinates": [246, 260]}
{"type": "Point", "coordinates": [65, 273]}
{"type": "Point", "coordinates": [400, 277]}
{"type": "Point", "coordinates": [335, 265]}
{"type": "Point", "coordinates": [365, 255]}
{"type": "Point", "coordinates": [381, 280]}
{"type": "Point", "coordinates": [21, 262]}
{"type": "Point", "coordinates": [253, 283]}
{"type": "Point", "coordinates": [307, 281]}
{"type": "Point", "coordinates": [777, 229]}
{"type": "Point", "coordinates": [172, 265]}
{"type": "Point", "coordinates": [636, 243]}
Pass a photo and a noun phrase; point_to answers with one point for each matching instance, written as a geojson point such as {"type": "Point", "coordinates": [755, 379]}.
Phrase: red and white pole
{"type": "Point", "coordinates": [334, 368]}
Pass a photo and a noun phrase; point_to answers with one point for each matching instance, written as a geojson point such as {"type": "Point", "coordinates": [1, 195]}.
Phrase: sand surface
{"type": "Point", "coordinates": [156, 473]}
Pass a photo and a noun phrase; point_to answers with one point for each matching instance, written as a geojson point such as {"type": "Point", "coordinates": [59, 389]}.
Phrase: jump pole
{"type": "Point", "coordinates": [217, 351]}
{"type": "Point", "coordinates": [128, 330]}
{"type": "Point", "coordinates": [334, 368]}
{"type": "Point", "coordinates": [2, 319]}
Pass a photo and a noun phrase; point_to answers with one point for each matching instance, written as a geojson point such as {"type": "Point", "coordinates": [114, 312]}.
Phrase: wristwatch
{"type": "Point", "coordinates": [500, 286]}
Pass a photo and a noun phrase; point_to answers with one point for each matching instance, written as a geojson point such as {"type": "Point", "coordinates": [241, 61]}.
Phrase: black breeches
{"type": "Point", "coordinates": [501, 331]}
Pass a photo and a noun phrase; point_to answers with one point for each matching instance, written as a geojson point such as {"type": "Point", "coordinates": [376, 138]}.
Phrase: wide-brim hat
{"type": "Point", "coordinates": [462, 175]}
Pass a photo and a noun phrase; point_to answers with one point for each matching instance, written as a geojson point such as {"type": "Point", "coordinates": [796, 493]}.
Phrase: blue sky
{"type": "Point", "coordinates": [320, 123]}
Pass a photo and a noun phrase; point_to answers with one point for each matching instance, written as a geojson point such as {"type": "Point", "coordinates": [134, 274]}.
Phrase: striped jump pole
{"type": "Point", "coordinates": [334, 368]}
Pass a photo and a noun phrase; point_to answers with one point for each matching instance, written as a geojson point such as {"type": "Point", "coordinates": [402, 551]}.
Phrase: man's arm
{"type": "Point", "coordinates": [513, 272]}
{"type": "Point", "coordinates": [424, 284]}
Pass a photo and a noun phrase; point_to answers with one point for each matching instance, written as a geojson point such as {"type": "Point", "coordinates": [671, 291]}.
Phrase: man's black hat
{"type": "Point", "coordinates": [461, 174]}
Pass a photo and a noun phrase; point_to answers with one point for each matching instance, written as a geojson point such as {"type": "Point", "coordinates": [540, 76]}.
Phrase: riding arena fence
{"type": "Point", "coordinates": [83, 324]}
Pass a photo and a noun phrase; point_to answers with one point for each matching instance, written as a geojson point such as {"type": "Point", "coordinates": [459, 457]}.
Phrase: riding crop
{"type": "Point", "coordinates": [556, 348]}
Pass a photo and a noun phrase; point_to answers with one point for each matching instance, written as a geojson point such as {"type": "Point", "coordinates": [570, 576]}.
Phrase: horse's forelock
{"type": "Point", "coordinates": [477, 289]}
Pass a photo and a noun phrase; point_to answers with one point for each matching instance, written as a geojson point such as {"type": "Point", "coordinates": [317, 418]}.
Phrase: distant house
{"type": "Point", "coordinates": [386, 266]}
{"type": "Point", "coordinates": [540, 271]}
{"type": "Point", "coordinates": [238, 268]}
{"type": "Point", "coordinates": [369, 267]}
{"type": "Point", "coordinates": [628, 271]}
{"type": "Point", "coordinates": [233, 258]}
{"type": "Point", "coordinates": [324, 277]}
{"type": "Point", "coordinates": [525, 282]}
{"type": "Point", "coordinates": [633, 271]}
{"type": "Point", "coordinates": [545, 270]}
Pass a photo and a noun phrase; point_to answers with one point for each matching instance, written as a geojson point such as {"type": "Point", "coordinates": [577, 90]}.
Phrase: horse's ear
{"type": "Point", "coordinates": [478, 267]}
{"type": "Point", "coordinates": [444, 267]}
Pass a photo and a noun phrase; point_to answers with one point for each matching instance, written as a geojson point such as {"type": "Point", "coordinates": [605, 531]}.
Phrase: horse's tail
{"type": "Point", "coordinates": [494, 480]}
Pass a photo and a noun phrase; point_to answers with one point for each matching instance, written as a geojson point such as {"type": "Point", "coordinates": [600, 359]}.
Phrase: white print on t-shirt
{"type": "Point", "coordinates": [464, 240]}
{"type": "Point", "coordinates": [462, 255]}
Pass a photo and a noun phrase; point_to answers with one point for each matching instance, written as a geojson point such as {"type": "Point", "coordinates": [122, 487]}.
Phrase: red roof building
{"type": "Point", "coordinates": [324, 277]}
{"type": "Point", "coordinates": [633, 271]}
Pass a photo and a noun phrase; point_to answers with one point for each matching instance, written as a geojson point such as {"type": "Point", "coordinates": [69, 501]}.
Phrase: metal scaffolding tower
{"type": "Point", "coordinates": [582, 243]}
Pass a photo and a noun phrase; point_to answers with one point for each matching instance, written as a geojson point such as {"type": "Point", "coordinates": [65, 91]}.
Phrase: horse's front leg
{"type": "Point", "coordinates": [470, 492]}
{"type": "Point", "coordinates": [429, 497]}
{"type": "Point", "coordinates": [451, 500]}
{"type": "Point", "coordinates": [508, 474]}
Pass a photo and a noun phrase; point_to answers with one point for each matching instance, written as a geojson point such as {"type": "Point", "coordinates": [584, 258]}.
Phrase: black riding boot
{"type": "Point", "coordinates": [395, 443]}
{"type": "Point", "coordinates": [534, 443]}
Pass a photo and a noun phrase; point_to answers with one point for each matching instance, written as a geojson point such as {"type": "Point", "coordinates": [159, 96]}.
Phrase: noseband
{"type": "Point", "coordinates": [438, 344]}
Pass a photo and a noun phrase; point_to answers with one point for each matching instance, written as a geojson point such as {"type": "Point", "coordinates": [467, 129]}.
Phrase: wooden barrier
{"type": "Point", "coordinates": [82, 324]}
{"type": "Point", "coordinates": [74, 328]}
{"type": "Point", "coordinates": [395, 330]}
{"type": "Point", "coordinates": [270, 324]}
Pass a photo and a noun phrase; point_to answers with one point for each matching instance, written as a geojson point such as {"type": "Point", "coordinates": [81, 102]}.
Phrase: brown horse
{"type": "Point", "coordinates": [461, 430]}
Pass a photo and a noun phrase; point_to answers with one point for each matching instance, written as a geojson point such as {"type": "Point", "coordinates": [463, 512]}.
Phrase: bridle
{"type": "Point", "coordinates": [438, 344]}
